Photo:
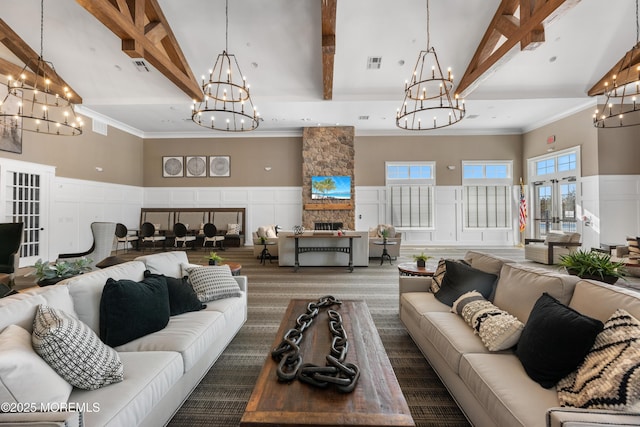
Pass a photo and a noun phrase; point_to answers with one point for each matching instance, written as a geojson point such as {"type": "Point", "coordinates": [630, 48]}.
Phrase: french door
{"type": "Point", "coordinates": [25, 196]}
{"type": "Point", "coordinates": [554, 206]}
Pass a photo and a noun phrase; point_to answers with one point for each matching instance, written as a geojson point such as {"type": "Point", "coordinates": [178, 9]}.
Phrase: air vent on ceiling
{"type": "Point", "coordinates": [363, 117]}
{"type": "Point", "coordinates": [140, 65]}
{"type": "Point", "coordinates": [374, 62]}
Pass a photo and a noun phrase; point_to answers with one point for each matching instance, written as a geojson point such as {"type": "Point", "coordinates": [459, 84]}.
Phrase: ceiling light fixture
{"type": "Point", "coordinates": [428, 101]}
{"type": "Point", "coordinates": [226, 95]}
{"type": "Point", "coordinates": [621, 108]}
{"type": "Point", "coordinates": [39, 101]}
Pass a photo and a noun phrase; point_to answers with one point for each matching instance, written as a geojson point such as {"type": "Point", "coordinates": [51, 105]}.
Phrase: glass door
{"type": "Point", "coordinates": [554, 206]}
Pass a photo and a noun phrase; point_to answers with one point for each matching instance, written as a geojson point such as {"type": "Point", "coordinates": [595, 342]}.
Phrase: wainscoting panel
{"type": "Point", "coordinates": [619, 207]}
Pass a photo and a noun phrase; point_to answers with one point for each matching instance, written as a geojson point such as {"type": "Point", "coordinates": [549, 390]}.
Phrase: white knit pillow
{"type": "Point", "coordinates": [233, 228]}
{"type": "Point", "coordinates": [73, 350]}
{"type": "Point", "coordinates": [497, 329]}
{"type": "Point", "coordinates": [24, 376]}
{"type": "Point", "coordinates": [212, 282]}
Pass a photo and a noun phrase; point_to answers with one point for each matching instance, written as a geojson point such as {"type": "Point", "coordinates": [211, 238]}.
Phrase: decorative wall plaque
{"type": "Point", "coordinates": [219, 166]}
{"type": "Point", "coordinates": [196, 166]}
{"type": "Point", "coordinates": [172, 167]}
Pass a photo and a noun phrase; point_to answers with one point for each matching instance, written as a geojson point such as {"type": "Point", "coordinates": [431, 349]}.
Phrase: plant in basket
{"type": "Point", "coordinates": [214, 258]}
{"type": "Point", "coordinates": [49, 274]}
{"type": "Point", "coordinates": [593, 265]}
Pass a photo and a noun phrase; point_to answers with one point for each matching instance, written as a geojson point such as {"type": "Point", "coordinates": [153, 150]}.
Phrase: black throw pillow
{"type": "Point", "coordinates": [182, 297]}
{"type": "Point", "coordinates": [555, 340]}
{"type": "Point", "coordinates": [460, 279]}
{"type": "Point", "coordinates": [130, 309]}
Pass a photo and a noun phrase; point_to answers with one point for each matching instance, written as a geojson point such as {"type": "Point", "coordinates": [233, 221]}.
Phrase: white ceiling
{"type": "Point", "coordinates": [278, 46]}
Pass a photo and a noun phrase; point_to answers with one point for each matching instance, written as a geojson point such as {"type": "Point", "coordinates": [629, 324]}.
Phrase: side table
{"type": "Point", "coordinates": [412, 269]}
{"type": "Point", "coordinates": [235, 267]}
{"type": "Point", "coordinates": [265, 252]}
{"type": "Point", "coordinates": [385, 252]}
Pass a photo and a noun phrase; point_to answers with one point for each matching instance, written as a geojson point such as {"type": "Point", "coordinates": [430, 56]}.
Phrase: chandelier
{"type": "Point", "coordinates": [38, 101]}
{"type": "Point", "coordinates": [621, 108]}
{"type": "Point", "coordinates": [226, 95]}
{"type": "Point", "coordinates": [428, 101]}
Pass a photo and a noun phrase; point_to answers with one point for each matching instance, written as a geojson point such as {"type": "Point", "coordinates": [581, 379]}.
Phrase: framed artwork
{"type": "Point", "coordinates": [196, 166]}
{"type": "Point", "coordinates": [172, 167]}
{"type": "Point", "coordinates": [219, 166]}
{"type": "Point", "coordinates": [11, 127]}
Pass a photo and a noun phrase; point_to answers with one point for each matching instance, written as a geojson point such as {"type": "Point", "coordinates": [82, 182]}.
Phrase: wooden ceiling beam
{"type": "Point", "coordinates": [140, 24]}
{"type": "Point", "coordinates": [626, 70]}
{"type": "Point", "coordinates": [328, 46]}
{"type": "Point", "coordinates": [23, 51]}
{"type": "Point", "coordinates": [528, 31]}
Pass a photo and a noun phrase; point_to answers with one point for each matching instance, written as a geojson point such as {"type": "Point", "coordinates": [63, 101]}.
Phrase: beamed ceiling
{"type": "Point", "coordinates": [519, 63]}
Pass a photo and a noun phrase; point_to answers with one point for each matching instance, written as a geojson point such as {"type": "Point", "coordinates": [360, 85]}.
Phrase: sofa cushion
{"type": "Point", "coordinates": [130, 309]}
{"type": "Point", "coordinates": [166, 263]}
{"type": "Point", "coordinates": [73, 350]}
{"type": "Point", "coordinates": [182, 297]}
{"type": "Point", "coordinates": [460, 278]}
{"type": "Point", "coordinates": [21, 311]}
{"type": "Point", "coordinates": [497, 329]}
{"type": "Point", "coordinates": [555, 340]}
{"type": "Point", "coordinates": [24, 376]}
{"type": "Point", "coordinates": [609, 377]}
{"type": "Point", "coordinates": [609, 298]}
{"type": "Point", "coordinates": [151, 376]}
{"type": "Point", "coordinates": [499, 383]}
{"type": "Point", "coordinates": [486, 262]}
{"type": "Point", "coordinates": [520, 286]}
{"type": "Point", "coordinates": [233, 228]}
{"type": "Point", "coordinates": [213, 282]}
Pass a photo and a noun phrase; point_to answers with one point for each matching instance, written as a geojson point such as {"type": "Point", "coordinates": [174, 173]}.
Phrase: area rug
{"type": "Point", "coordinates": [221, 397]}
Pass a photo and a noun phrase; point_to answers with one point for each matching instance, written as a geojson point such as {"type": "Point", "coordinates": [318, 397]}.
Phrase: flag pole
{"type": "Point", "coordinates": [522, 214]}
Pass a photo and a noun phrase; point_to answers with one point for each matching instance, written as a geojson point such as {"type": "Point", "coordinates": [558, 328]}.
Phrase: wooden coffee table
{"type": "Point", "coordinates": [376, 400]}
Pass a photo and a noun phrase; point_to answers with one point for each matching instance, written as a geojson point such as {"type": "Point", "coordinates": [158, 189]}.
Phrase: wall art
{"type": "Point", "coordinates": [172, 167]}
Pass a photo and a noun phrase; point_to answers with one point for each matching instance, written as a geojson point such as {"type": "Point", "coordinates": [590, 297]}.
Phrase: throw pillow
{"type": "Point", "coordinates": [182, 297]}
{"type": "Point", "coordinates": [73, 350]}
{"type": "Point", "coordinates": [438, 275]}
{"type": "Point", "coordinates": [130, 309]}
{"type": "Point", "coordinates": [24, 376]}
{"type": "Point", "coordinates": [213, 282]}
{"type": "Point", "coordinates": [460, 278]}
{"type": "Point", "coordinates": [555, 340]}
{"type": "Point", "coordinates": [233, 228]}
{"type": "Point", "coordinates": [497, 329]}
{"type": "Point", "coordinates": [609, 377]}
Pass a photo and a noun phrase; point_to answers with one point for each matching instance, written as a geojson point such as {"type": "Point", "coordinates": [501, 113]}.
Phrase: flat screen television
{"type": "Point", "coordinates": [335, 187]}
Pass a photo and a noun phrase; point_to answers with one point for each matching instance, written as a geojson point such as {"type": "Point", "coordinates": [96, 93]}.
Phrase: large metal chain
{"type": "Point", "coordinates": [343, 375]}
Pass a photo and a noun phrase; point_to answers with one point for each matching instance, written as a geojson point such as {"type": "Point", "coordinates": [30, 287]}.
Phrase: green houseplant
{"type": "Point", "coordinates": [214, 258]}
{"type": "Point", "coordinates": [593, 265]}
{"type": "Point", "coordinates": [49, 274]}
{"type": "Point", "coordinates": [421, 259]}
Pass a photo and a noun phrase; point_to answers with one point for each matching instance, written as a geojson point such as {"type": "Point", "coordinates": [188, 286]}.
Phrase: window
{"type": "Point", "coordinates": [487, 194]}
{"type": "Point", "coordinates": [562, 163]}
{"type": "Point", "coordinates": [410, 193]}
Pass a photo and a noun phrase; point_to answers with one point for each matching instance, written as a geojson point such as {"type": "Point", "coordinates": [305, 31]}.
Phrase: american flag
{"type": "Point", "coordinates": [523, 208]}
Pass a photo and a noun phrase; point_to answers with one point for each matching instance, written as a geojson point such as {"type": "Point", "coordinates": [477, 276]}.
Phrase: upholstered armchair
{"type": "Point", "coordinates": [269, 232]}
{"type": "Point", "coordinates": [103, 237]}
{"type": "Point", "coordinates": [548, 251]}
{"type": "Point", "coordinates": [10, 241]}
{"type": "Point", "coordinates": [393, 237]}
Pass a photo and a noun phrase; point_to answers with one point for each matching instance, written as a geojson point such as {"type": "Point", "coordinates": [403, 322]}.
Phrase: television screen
{"type": "Point", "coordinates": [331, 187]}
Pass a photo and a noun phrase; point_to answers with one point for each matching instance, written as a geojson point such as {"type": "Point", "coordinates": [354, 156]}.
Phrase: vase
{"type": "Point", "coordinates": [213, 262]}
{"type": "Point", "coordinates": [421, 263]}
{"type": "Point", "coordinates": [49, 282]}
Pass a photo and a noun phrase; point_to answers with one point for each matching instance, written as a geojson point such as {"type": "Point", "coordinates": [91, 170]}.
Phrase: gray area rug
{"type": "Point", "coordinates": [221, 397]}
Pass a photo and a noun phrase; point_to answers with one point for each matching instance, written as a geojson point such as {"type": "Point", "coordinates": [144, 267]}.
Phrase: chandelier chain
{"type": "Point", "coordinates": [41, 28]}
{"type": "Point", "coordinates": [226, 27]}
{"type": "Point", "coordinates": [637, 25]}
{"type": "Point", "coordinates": [428, 29]}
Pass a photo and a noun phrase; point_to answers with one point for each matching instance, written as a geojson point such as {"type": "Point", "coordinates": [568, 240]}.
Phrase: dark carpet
{"type": "Point", "coordinates": [221, 397]}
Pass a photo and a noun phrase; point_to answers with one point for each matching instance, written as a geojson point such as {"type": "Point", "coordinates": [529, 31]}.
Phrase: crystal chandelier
{"type": "Point", "coordinates": [226, 95]}
{"type": "Point", "coordinates": [621, 108]}
{"type": "Point", "coordinates": [428, 101]}
{"type": "Point", "coordinates": [39, 101]}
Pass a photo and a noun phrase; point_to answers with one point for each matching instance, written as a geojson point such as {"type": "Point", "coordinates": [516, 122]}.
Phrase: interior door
{"type": "Point", "coordinates": [554, 206]}
{"type": "Point", "coordinates": [25, 200]}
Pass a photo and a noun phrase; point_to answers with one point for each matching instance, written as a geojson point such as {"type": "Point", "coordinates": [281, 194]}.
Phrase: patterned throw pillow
{"type": "Point", "coordinates": [497, 329]}
{"type": "Point", "coordinates": [438, 276]}
{"type": "Point", "coordinates": [233, 228]}
{"type": "Point", "coordinates": [213, 282]}
{"type": "Point", "coordinates": [73, 350]}
{"type": "Point", "coordinates": [609, 377]}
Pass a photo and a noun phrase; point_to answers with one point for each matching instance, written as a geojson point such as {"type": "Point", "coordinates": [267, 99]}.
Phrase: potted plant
{"type": "Point", "coordinates": [421, 259]}
{"type": "Point", "coordinates": [593, 265]}
{"type": "Point", "coordinates": [385, 234]}
{"type": "Point", "coordinates": [214, 258]}
{"type": "Point", "coordinates": [50, 274]}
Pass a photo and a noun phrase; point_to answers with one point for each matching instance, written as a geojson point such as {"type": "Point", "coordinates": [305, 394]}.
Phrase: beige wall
{"type": "Point", "coordinates": [373, 151]}
{"type": "Point", "coordinates": [248, 159]}
{"type": "Point", "coordinates": [119, 154]}
{"type": "Point", "coordinates": [572, 131]}
{"type": "Point", "coordinates": [619, 151]}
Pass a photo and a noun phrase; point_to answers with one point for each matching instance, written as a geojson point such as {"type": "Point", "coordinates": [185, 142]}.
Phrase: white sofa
{"type": "Point", "coordinates": [492, 388]}
{"type": "Point", "coordinates": [160, 369]}
{"type": "Point", "coordinates": [286, 250]}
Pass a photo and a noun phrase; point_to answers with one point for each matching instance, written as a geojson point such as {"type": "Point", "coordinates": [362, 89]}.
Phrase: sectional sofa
{"type": "Point", "coordinates": [160, 369]}
{"type": "Point", "coordinates": [492, 387]}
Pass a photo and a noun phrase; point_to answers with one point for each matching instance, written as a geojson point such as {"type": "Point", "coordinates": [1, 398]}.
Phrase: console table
{"type": "Point", "coordinates": [328, 248]}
